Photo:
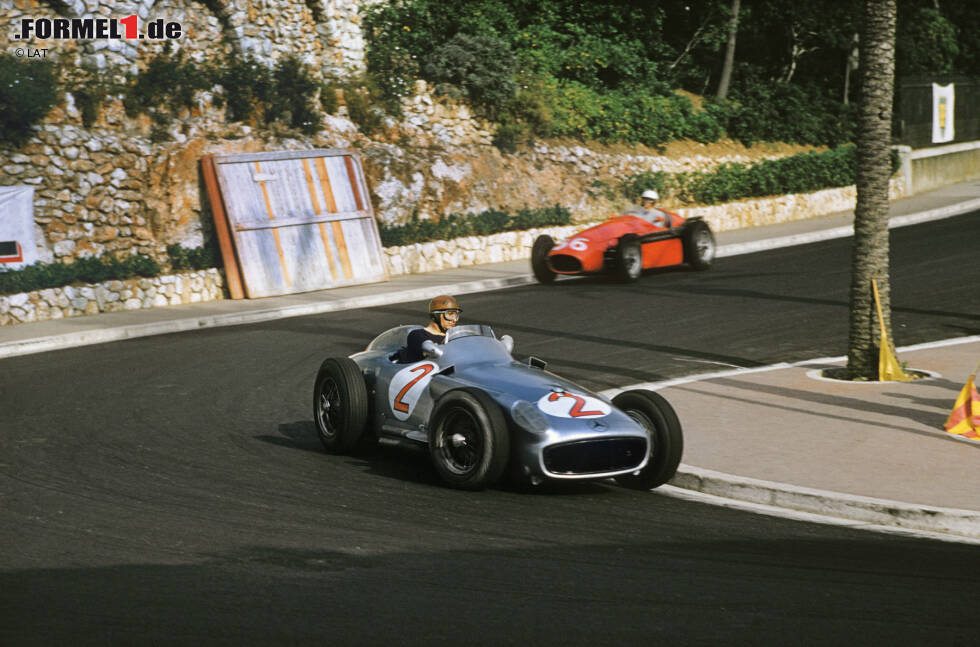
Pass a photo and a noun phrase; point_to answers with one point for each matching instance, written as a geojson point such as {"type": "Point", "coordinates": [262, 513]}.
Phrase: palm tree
{"type": "Point", "coordinates": [870, 257]}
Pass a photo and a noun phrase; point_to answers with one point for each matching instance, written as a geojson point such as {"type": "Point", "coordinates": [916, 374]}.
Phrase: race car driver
{"type": "Point", "coordinates": [444, 313]}
{"type": "Point", "coordinates": [648, 210]}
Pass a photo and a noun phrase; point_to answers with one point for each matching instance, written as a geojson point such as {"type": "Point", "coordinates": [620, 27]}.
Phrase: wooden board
{"type": "Point", "coordinates": [299, 220]}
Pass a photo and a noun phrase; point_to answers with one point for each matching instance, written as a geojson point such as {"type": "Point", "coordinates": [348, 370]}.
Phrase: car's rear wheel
{"type": "Point", "coordinates": [340, 404]}
{"type": "Point", "coordinates": [699, 245]}
{"type": "Point", "coordinates": [628, 260]}
{"type": "Point", "coordinates": [656, 415]}
{"type": "Point", "coordinates": [468, 440]}
{"type": "Point", "coordinates": [543, 244]}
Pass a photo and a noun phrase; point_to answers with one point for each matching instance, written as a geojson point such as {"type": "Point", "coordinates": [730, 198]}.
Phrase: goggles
{"type": "Point", "coordinates": [448, 314]}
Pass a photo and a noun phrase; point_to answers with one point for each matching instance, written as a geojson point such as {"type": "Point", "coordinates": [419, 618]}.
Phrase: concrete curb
{"type": "Point", "coordinates": [846, 231]}
{"type": "Point", "coordinates": [882, 512]}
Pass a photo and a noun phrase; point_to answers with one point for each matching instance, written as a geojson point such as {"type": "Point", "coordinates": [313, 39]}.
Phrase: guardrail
{"type": "Point", "coordinates": [930, 168]}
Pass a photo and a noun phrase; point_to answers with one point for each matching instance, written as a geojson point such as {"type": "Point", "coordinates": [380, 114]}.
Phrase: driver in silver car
{"type": "Point", "coordinates": [444, 313]}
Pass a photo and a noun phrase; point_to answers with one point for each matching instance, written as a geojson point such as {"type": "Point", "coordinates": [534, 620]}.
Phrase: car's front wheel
{"type": "Point", "coordinates": [340, 404]}
{"type": "Point", "coordinates": [468, 440]}
{"type": "Point", "coordinates": [656, 415]}
{"type": "Point", "coordinates": [543, 245]}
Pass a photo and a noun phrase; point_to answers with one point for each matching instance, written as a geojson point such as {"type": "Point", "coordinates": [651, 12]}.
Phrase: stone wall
{"type": "Point", "coordinates": [111, 296]}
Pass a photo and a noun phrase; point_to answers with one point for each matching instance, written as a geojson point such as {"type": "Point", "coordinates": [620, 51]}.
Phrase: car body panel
{"type": "Point", "coordinates": [547, 415]}
{"type": "Point", "coordinates": [587, 252]}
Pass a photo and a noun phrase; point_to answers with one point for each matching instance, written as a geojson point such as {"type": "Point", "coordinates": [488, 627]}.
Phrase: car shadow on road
{"type": "Point", "coordinates": [412, 464]}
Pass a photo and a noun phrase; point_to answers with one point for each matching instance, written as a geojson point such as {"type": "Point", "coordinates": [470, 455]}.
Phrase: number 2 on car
{"type": "Point", "coordinates": [406, 388]}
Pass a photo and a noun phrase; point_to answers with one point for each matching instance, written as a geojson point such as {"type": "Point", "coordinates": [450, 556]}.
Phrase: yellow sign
{"type": "Point", "coordinates": [889, 370]}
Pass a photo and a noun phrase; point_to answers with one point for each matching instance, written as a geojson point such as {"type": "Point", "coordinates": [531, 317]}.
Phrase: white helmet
{"type": "Point", "coordinates": [650, 194]}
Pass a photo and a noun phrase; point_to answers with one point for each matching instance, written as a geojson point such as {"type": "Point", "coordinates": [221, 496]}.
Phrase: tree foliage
{"type": "Point", "coordinates": [595, 70]}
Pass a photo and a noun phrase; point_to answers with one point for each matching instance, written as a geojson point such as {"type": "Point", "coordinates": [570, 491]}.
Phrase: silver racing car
{"type": "Point", "coordinates": [482, 413]}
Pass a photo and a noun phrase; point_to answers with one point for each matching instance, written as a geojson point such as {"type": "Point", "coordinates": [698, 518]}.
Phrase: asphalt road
{"type": "Point", "coordinates": [171, 490]}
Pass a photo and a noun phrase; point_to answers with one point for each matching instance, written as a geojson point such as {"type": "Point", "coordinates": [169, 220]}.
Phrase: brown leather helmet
{"type": "Point", "coordinates": [443, 303]}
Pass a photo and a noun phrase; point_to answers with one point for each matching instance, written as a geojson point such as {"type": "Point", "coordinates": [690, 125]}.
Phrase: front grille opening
{"type": "Point", "coordinates": [565, 263]}
{"type": "Point", "coordinates": [595, 456]}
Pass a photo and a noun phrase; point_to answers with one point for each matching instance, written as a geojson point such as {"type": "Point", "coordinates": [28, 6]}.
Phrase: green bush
{"type": "Point", "coordinates": [481, 224]}
{"type": "Point", "coordinates": [40, 276]}
{"type": "Point", "coordinates": [479, 68]}
{"type": "Point", "coordinates": [197, 258]}
{"type": "Point", "coordinates": [788, 113]}
{"type": "Point", "coordinates": [363, 106]}
{"type": "Point", "coordinates": [169, 81]}
{"type": "Point", "coordinates": [802, 173]}
{"type": "Point", "coordinates": [291, 100]}
{"type": "Point", "coordinates": [246, 84]}
{"type": "Point", "coordinates": [28, 91]}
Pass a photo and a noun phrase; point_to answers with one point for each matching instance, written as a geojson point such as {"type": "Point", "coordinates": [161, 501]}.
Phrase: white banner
{"type": "Point", "coordinates": [942, 113]}
{"type": "Point", "coordinates": [17, 247]}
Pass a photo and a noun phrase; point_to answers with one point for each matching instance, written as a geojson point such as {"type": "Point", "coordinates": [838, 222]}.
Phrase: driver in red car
{"type": "Point", "coordinates": [648, 210]}
{"type": "Point", "coordinates": [444, 314]}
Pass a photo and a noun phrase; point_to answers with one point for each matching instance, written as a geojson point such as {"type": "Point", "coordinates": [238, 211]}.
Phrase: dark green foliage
{"type": "Point", "coordinates": [788, 113]}
{"type": "Point", "coordinates": [802, 173]}
{"type": "Point", "coordinates": [929, 43]}
{"type": "Point", "coordinates": [480, 68]}
{"type": "Point", "coordinates": [481, 224]}
{"type": "Point", "coordinates": [90, 87]}
{"type": "Point", "coordinates": [328, 99]}
{"type": "Point", "coordinates": [362, 99]}
{"type": "Point", "coordinates": [196, 258]}
{"type": "Point", "coordinates": [168, 83]}
{"type": "Point", "coordinates": [291, 100]}
{"type": "Point", "coordinates": [28, 90]}
{"type": "Point", "coordinates": [40, 276]}
{"type": "Point", "coordinates": [246, 85]}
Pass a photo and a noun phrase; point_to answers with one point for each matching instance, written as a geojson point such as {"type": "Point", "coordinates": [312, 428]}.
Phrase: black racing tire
{"type": "Point", "coordinates": [340, 405]}
{"type": "Point", "coordinates": [699, 245]}
{"type": "Point", "coordinates": [468, 440]}
{"type": "Point", "coordinates": [628, 259]}
{"type": "Point", "coordinates": [666, 438]}
{"type": "Point", "coordinates": [539, 259]}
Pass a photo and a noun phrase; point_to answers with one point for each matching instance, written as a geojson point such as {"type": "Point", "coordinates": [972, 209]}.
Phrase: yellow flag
{"type": "Point", "coordinates": [889, 370]}
{"type": "Point", "coordinates": [965, 417]}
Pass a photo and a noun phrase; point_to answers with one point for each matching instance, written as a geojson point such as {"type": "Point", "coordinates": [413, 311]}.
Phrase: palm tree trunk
{"type": "Point", "coordinates": [870, 256]}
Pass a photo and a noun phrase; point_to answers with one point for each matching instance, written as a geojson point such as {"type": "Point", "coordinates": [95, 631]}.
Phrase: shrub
{"type": "Point", "coordinates": [169, 81]}
{"type": "Point", "coordinates": [246, 84]}
{"type": "Point", "coordinates": [481, 224]}
{"type": "Point", "coordinates": [28, 91]}
{"type": "Point", "coordinates": [480, 68]}
{"type": "Point", "coordinates": [291, 100]}
{"type": "Point", "coordinates": [362, 101]}
{"type": "Point", "coordinates": [197, 258]}
{"type": "Point", "coordinates": [40, 276]}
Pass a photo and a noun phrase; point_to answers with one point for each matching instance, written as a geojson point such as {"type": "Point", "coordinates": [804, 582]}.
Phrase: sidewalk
{"type": "Point", "coordinates": [874, 454]}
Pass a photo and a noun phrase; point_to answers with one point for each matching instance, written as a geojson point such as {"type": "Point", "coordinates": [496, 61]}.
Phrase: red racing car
{"type": "Point", "coordinates": [626, 245]}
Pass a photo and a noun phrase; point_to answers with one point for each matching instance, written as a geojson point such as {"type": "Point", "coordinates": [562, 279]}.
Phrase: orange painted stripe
{"type": "Point", "coordinates": [275, 232]}
{"type": "Point", "coordinates": [338, 235]}
{"type": "Point", "coordinates": [321, 168]}
{"type": "Point", "coordinates": [326, 247]}
{"type": "Point", "coordinates": [353, 182]}
{"type": "Point", "coordinates": [322, 226]}
{"type": "Point", "coordinates": [311, 186]}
